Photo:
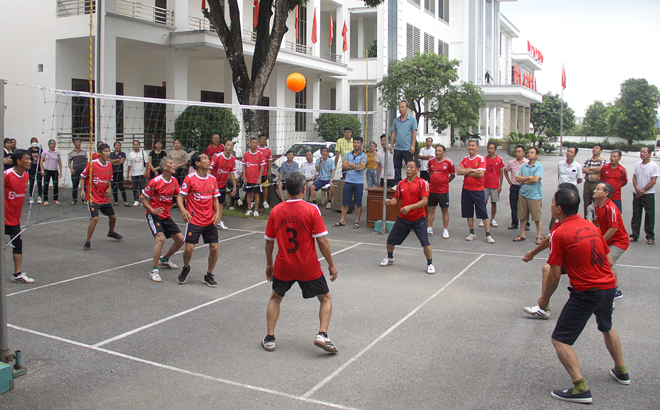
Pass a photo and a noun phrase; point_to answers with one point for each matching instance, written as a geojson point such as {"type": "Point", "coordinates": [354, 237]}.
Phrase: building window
{"type": "Point", "coordinates": [81, 110]}
{"type": "Point", "coordinates": [302, 29]}
{"type": "Point", "coordinates": [119, 113]}
{"type": "Point", "coordinates": [415, 2]}
{"type": "Point", "coordinates": [412, 44]}
{"type": "Point", "coordinates": [429, 43]}
{"type": "Point", "coordinates": [212, 97]}
{"type": "Point", "coordinates": [155, 117]}
{"type": "Point", "coordinates": [392, 30]}
{"type": "Point", "coordinates": [443, 48]}
{"type": "Point", "coordinates": [443, 10]}
{"type": "Point", "coordinates": [301, 117]}
{"type": "Point", "coordinates": [429, 5]}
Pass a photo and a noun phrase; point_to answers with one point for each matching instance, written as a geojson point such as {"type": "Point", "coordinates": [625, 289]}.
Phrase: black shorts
{"type": "Point", "coordinates": [578, 310]}
{"type": "Point", "coordinates": [425, 175]}
{"type": "Point", "coordinates": [167, 226]}
{"type": "Point", "coordinates": [106, 209]}
{"type": "Point", "coordinates": [14, 233]}
{"type": "Point", "coordinates": [254, 188]}
{"type": "Point", "coordinates": [436, 199]}
{"type": "Point", "coordinates": [402, 228]}
{"type": "Point", "coordinates": [310, 288]}
{"type": "Point", "coordinates": [223, 194]}
{"type": "Point", "coordinates": [472, 201]}
{"type": "Point", "coordinates": [209, 233]}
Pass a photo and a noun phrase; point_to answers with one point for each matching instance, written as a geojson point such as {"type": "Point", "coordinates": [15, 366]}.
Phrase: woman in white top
{"type": "Point", "coordinates": [51, 168]}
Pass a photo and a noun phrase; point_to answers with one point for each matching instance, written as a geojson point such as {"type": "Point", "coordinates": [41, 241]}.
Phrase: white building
{"type": "Point", "coordinates": [165, 49]}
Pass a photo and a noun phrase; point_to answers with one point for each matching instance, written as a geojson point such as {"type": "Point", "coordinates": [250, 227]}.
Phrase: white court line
{"type": "Point", "coordinates": [59, 220]}
{"type": "Point", "coordinates": [110, 269]}
{"type": "Point", "coordinates": [183, 223]}
{"type": "Point", "coordinates": [183, 371]}
{"type": "Point", "coordinates": [387, 332]}
{"type": "Point", "coordinates": [158, 322]}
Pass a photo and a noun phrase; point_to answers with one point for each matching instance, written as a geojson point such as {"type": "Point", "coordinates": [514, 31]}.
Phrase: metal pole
{"type": "Point", "coordinates": [4, 348]}
{"type": "Point", "coordinates": [561, 124]}
{"type": "Point", "coordinates": [386, 155]}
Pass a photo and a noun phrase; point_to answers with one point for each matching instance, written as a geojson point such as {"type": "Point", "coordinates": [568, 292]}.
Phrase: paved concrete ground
{"type": "Point", "coordinates": [97, 333]}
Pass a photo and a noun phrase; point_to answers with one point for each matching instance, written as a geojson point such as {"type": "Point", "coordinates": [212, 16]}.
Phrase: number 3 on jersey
{"type": "Point", "coordinates": [292, 239]}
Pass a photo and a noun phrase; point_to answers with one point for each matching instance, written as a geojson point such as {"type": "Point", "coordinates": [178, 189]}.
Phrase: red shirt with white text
{"type": "Point", "coordinates": [200, 192]}
{"type": "Point", "coordinates": [439, 174]}
{"type": "Point", "coordinates": [161, 193]}
{"type": "Point", "coordinates": [409, 193]}
{"type": "Point", "coordinates": [15, 187]}
{"type": "Point", "coordinates": [471, 183]}
{"type": "Point", "coordinates": [101, 176]}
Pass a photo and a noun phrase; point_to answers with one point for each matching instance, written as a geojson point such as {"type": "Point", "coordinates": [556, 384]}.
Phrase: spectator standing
{"type": "Point", "coordinates": [215, 148]}
{"type": "Point", "coordinates": [403, 140]}
{"type": "Point", "coordinates": [117, 159]}
{"type": "Point", "coordinates": [266, 172]}
{"type": "Point", "coordinates": [531, 194]}
{"type": "Point", "coordinates": [254, 163]}
{"type": "Point", "coordinates": [473, 199]}
{"type": "Point", "coordinates": [569, 170]}
{"type": "Point", "coordinates": [137, 162]}
{"type": "Point", "coordinates": [7, 159]}
{"type": "Point", "coordinates": [155, 156]}
{"type": "Point", "coordinates": [442, 172]}
{"type": "Point", "coordinates": [286, 168]}
{"type": "Point", "coordinates": [325, 168]}
{"type": "Point", "coordinates": [493, 181]}
{"type": "Point", "coordinates": [34, 173]}
{"type": "Point", "coordinates": [180, 158]}
{"type": "Point", "coordinates": [511, 172]}
{"type": "Point", "coordinates": [77, 164]}
{"type": "Point", "coordinates": [235, 192]}
{"type": "Point", "coordinates": [343, 147]}
{"type": "Point", "coordinates": [591, 170]}
{"type": "Point", "coordinates": [353, 163]}
{"type": "Point", "coordinates": [380, 167]}
{"type": "Point", "coordinates": [616, 175]}
{"type": "Point", "coordinates": [645, 175]}
{"type": "Point", "coordinates": [308, 169]}
{"type": "Point", "coordinates": [372, 165]}
{"type": "Point", "coordinates": [222, 167]}
{"type": "Point", "coordinates": [51, 163]}
{"type": "Point", "coordinates": [425, 154]}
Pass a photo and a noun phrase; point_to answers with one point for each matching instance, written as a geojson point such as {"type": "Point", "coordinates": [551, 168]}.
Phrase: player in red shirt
{"type": "Point", "coordinates": [157, 197]}
{"type": "Point", "coordinates": [265, 175]}
{"type": "Point", "coordinates": [295, 224]}
{"type": "Point", "coordinates": [254, 164]}
{"type": "Point", "coordinates": [493, 181]}
{"type": "Point", "coordinates": [441, 171]}
{"type": "Point", "coordinates": [616, 175]}
{"type": "Point", "coordinates": [97, 191]}
{"type": "Point", "coordinates": [202, 215]}
{"type": "Point", "coordinates": [414, 195]}
{"type": "Point", "coordinates": [16, 179]}
{"type": "Point", "coordinates": [223, 167]}
{"type": "Point", "coordinates": [608, 219]}
{"type": "Point", "coordinates": [579, 246]}
{"type": "Point", "coordinates": [216, 147]}
{"type": "Point", "coordinates": [473, 198]}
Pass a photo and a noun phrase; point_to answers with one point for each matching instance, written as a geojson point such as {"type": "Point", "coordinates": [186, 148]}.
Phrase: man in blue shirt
{"type": "Point", "coordinates": [326, 168]}
{"type": "Point", "coordinates": [354, 163]}
{"type": "Point", "coordinates": [286, 168]}
{"type": "Point", "coordinates": [531, 193]}
{"type": "Point", "coordinates": [404, 139]}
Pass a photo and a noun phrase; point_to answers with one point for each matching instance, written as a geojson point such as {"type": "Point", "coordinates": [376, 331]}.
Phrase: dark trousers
{"type": "Point", "coordinates": [180, 174]}
{"type": "Point", "coordinates": [34, 175]}
{"type": "Point", "coordinates": [399, 156]}
{"type": "Point", "coordinates": [647, 203]}
{"type": "Point", "coordinates": [514, 192]}
{"type": "Point", "coordinates": [118, 185]}
{"type": "Point", "coordinates": [75, 182]}
{"type": "Point", "coordinates": [138, 183]}
{"type": "Point", "coordinates": [51, 175]}
{"type": "Point", "coordinates": [588, 194]}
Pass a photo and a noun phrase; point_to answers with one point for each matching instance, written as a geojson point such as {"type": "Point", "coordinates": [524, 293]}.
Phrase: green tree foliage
{"type": "Point", "coordinates": [195, 126]}
{"type": "Point", "coordinates": [464, 103]}
{"type": "Point", "coordinates": [331, 126]}
{"type": "Point", "coordinates": [634, 113]}
{"type": "Point", "coordinates": [545, 117]}
{"type": "Point", "coordinates": [595, 120]}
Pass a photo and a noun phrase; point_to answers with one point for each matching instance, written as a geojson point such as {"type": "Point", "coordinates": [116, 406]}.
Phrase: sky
{"type": "Point", "coordinates": [601, 43]}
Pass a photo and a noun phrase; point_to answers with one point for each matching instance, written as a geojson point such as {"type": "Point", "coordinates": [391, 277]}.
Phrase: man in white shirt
{"type": "Point", "coordinates": [308, 169]}
{"type": "Point", "coordinates": [136, 166]}
{"type": "Point", "coordinates": [569, 170]}
{"type": "Point", "coordinates": [425, 154]}
{"type": "Point", "coordinates": [645, 175]}
{"type": "Point", "coordinates": [380, 169]}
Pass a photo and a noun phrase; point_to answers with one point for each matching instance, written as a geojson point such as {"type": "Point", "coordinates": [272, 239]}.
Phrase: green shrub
{"type": "Point", "coordinates": [330, 127]}
{"type": "Point", "coordinates": [195, 126]}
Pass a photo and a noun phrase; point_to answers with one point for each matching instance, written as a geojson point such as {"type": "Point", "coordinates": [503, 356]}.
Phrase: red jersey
{"type": "Point", "coordinates": [615, 177]}
{"type": "Point", "coordinates": [100, 181]}
{"type": "Point", "coordinates": [295, 224]}
{"type": "Point", "coordinates": [268, 158]}
{"type": "Point", "coordinates": [201, 192]}
{"type": "Point", "coordinates": [410, 193]}
{"type": "Point", "coordinates": [210, 151]}
{"type": "Point", "coordinates": [439, 173]}
{"type": "Point", "coordinates": [15, 186]}
{"type": "Point", "coordinates": [493, 169]}
{"type": "Point", "coordinates": [608, 216]}
{"type": "Point", "coordinates": [579, 246]}
{"type": "Point", "coordinates": [221, 167]}
{"type": "Point", "coordinates": [95, 155]}
{"type": "Point", "coordinates": [252, 164]}
{"type": "Point", "coordinates": [161, 193]}
{"type": "Point", "coordinates": [471, 183]}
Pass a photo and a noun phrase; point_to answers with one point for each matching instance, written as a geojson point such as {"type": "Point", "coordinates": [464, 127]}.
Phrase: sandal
{"type": "Point", "coordinates": [538, 241]}
{"type": "Point", "coordinates": [56, 202]}
{"type": "Point", "coordinates": [633, 239]}
{"type": "Point", "coordinates": [651, 241]}
{"type": "Point", "coordinates": [339, 224]}
{"type": "Point", "coordinates": [72, 203]}
{"type": "Point", "coordinates": [356, 225]}
{"type": "Point", "coordinates": [519, 238]}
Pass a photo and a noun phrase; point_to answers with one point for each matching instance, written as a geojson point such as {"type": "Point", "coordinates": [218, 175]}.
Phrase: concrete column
{"type": "Point", "coordinates": [176, 78]}
{"type": "Point", "coordinates": [360, 45]}
{"type": "Point", "coordinates": [491, 122]}
{"type": "Point", "coordinates": [108, 76]}
{"type": "Point", "coordinates": [521, 119]}
{"type": "Point", "coordinates": [180, 8]}
{"type": "Point", "coordinates": [342, 13]}
{"type": "Point", "coordinates": [506, 119]}
{"type": "Point", "coordinates": [514, 118]}
{"type": "Point", "coordinates": [527, 119]}
{"type": "Point", "coordinates": [228, 85]}
{"type": "Point", "coordinates": [278, 130]}
{"type": "Point", "coordinates": [343, 95]}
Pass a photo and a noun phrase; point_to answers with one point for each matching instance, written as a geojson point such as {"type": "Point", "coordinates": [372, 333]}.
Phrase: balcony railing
{"type": "Point", "coordinates": [249, 35]}
{"type": "Point", "coordinates": [66, 8]}
{"type": "Point", "coordinates": [326, 55]}
{"type": "Point", "coordinates": [196, 24]}
{"type": "Point", "coordinates": [298, 48]}
{"type": "Point", "coordinates": [145, 12]}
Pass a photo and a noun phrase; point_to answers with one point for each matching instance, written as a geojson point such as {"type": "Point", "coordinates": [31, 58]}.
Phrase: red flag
{"type": "Point", "coordinates": [256, 12]}
{"type": "Point", "coordinates": [332, 29]}
{"type": "Point", "coordinates": [296, 21]}
{"type": "Point", "coordinates": [343, 34]}
{"type": "Point", "coordinates": [203, 4]}
{"type": "Point", "coordinates": [563, 78]}
{"type": "Point", "coordinates": [314, 28]}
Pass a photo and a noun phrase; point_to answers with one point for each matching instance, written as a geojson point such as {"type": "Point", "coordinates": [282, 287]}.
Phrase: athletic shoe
{"type": "Point", "coordinates": [618, 294]}
{"type": "Point", "coordinates": [489, 239]}
{"type": "Point", "coordinates": [21, 278]}
{"type": "Point", "coordinates": [387, 262]}
{"type": "Point", "coordinates": [183, 276]}
{"type": "Point", "coordinates": [265, 205]}
{"type": "Point", "coordinates": [115, 235]}
{"type": "Point", "coordinates": [222, 226]}
{"type": "Point", "coordinates": [231, 208]}
{"type": "Point", "coordinates": [255, 213]}
{"type": "Point", "coordinates": [567, 395]}
{"type": "Point", "coordinates": [208, 279]}
{"type": "Point", "coordinates": [240, 203]}
{"type": "Point", "coordinates": [493, 223]}
{"type": "Point", "coordinates": [430, 269]}
{"type": "Point", "coordinates": [328, 205]}
{"type": "Point", "coordinates": [325, 343]}
{"type": "Point", "coordinates": [471, 237]}
{"type": "Point", "coordinates": [167, 263]}
{"type": "Point", "coordinates": [136, 203]}
{"type": "Point", "coordinates": [249, 212]}
{"type": "Point", "coordinates": [429, 230]}
{"type": "Point", "coordinates": [268, 345]}
{"type": "Point", "coordinates": [326, 186]}
{"type": "Point", "coordinates": [87, 246]}
{"type": "Point", "coordinates": [31, 201]}
{"type": "Point", "coordinates": [155, 275]}
{"type": "Point", "coordinates": [39, 200]}
{"type": "Point", "coordinates": [537, 312]}
{"type": "Point", "coordinates": [445, 234]}
{"type": "Point", "coordinates": [481, 224]}
{"type": "Point", "coordinates": [621, 378]}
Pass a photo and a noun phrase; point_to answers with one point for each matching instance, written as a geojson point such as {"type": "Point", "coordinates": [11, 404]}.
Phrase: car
{"type": "Point", "coordinates": [299, 150]}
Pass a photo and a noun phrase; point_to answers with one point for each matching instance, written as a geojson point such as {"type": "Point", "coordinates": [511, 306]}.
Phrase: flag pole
{"type": "Point", "coordinates": [561, 118]}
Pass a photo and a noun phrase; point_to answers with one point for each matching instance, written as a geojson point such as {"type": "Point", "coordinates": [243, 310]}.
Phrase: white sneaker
{"type": "Point", "coordinates": [22, 278]}
{"type": "Point", "coordinates": [326, 186]}
{"type": "Point", "coordinates": [481, 224]}
{"type": "Point", "coordinates": [265, 205]}
{"type": "Point", "coordinates": [471, 237]}
{"type": "Point", "coordinates": [249, 212]}
{"type": "Point", "coordinates": [231, 208]}
{"type": "Point", "coordinates": [155, 275]}
{"type": "Point", "coordinates": [240, 203]}
{"type": "Point", "coordinates": [537, 312]}
{"type": "Point", "coordinates": [445, 234]}
{"type": "Point", "coordinates": [387, 262]}
{"type": "Point", "coordinates": [255, 213]}
{"type": "Point", "coordinates": [167, 264]}
{"type": "Point", "coordinates": [222, 226]}
{"type": "Point", "coordinates": [430, 269]}
{"type": "Point", "coordinates": [429, 230]}
{"type": "Point", "coordinates": [31, 201]}
{"type": "Point", "coordinates": [489, 239]}
{"type": "Point", "coordinates": [39, 200]}
{"type": "Point", "coordinates": [328, 205]}
{"type": "Point", "coordinates": [136, 203]}
{"type": "Point", "coordinates": [493, 223]}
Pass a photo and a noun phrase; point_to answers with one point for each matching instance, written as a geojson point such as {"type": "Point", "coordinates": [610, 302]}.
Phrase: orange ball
{"type": "Point", "coordinates": [296, 82]}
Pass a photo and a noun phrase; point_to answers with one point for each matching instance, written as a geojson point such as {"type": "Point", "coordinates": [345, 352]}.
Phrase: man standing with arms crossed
{"type": "Point", "coordinates": [425, 154]}
{"type": "Point", "coordinates": [531, 194]}
{"type": "Point", "coordinates": [380, 167]}
{"type": "Point", "coordinates": [473, 167]}
{"type": "Point", "coordinates": [353, 163]}
{"type": "Point", "coordinates": [591, 171]}
{"type": "Point", "coordinates": [295, 224]}
{"type": "Point", "coordinates": [265, 174]}
{"type": "Point", "coordinates": [493, 181]}
{"type": "Point", "coordinates": [442, 172]}
{"type": "Point", "coordinates": [511, 172]}
{"type": "Point", "coordinates": [223, 166]}
{"type": "Point", "coordinates": [16, 179]}
{"type": "Point", "coordinates": [616, 175]}
{"type": "Point", "coordinates": [137, 161]}
{"type": "Point", "coordinates": [403, 140]}
{"type": "Point", "coordinates": [644, 177]}
{"type": "Point", "coordinates": [343, 147]}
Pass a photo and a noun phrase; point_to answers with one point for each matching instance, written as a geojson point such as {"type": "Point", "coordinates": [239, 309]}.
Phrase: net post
{"type": "Point", "coordinates": [383, 225]}
{"type": "Point", "coordinates": [4, 348]}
